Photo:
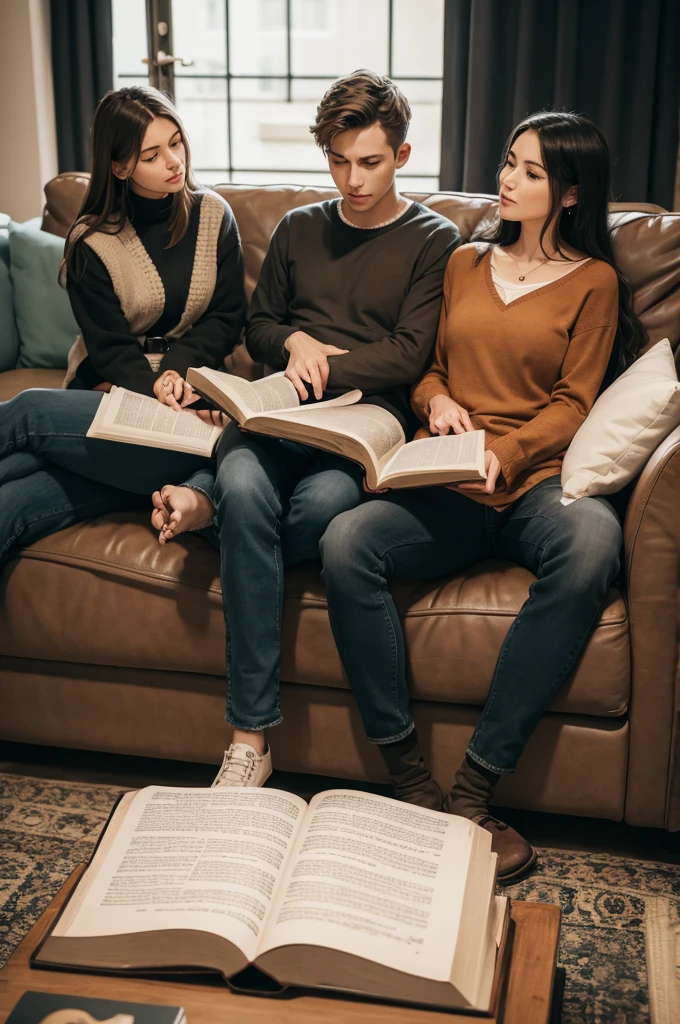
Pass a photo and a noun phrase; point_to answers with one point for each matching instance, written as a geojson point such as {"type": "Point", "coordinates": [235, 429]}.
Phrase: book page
{"type": "Point", "coordinates": [451, 451]}
{"type": "Point", "coordinates": [377, 879]}
{"type": "Point", "coordinates": [276, 392]}
{"type": "Point", "coordinates": [243, 398]}
{"type": "Point", "coordinates": [293, 414]}
{"type": "Point", "coordinates": [190, 859]}
{"type": "Point", "coordinates": [437, 459]}
{"type": "Point", "coordinates": [230, 392]}
{"type": "Point", "coordinates": [130, 415]}
{"type": "Point", "coordinates": [367, 433]}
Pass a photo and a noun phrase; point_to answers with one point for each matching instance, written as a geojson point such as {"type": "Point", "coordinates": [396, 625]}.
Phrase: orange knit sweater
{"type": "Point", "coordinates": [527, 373]}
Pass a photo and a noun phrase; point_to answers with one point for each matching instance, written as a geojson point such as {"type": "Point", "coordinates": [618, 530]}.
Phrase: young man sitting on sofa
{"type": "Point", "coordinates": [349, 297]}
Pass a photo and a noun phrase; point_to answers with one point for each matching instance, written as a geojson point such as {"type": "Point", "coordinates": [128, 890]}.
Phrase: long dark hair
{"type": "Point", "coordinates": [118, 128]}
{"type": "Point", "coordinates": [575, 152]}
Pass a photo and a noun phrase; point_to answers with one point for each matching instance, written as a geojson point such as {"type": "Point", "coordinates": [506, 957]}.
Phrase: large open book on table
{"type": "Point", "coordinates": [354, 893]}
{"type": "Point", "coordinates": [368, 434]}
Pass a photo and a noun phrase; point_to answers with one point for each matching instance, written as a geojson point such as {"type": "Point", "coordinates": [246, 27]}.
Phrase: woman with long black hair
{"type": "Point", "coordinates": [533, 317]}
{"type": "Point", "coordinates": [154, 272]}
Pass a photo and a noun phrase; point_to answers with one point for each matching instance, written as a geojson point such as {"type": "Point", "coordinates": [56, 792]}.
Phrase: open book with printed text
{"type": "Point", "coordinates": [366, 433]}
{"type": "Point", "coordinates": [353, 892]}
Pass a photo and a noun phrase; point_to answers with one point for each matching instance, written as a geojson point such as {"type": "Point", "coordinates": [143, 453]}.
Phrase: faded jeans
{"type": "Point", "coordinates": [52, 475]}
{"type": "Point", "coordinates": [573, 551]}
{"type": "Point", "coordinates": [273, 501]}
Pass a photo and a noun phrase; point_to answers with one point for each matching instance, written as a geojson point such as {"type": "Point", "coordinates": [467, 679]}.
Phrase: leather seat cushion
{"type": "Point", "coordinates": [14, 381]}
{"type": "Point", "coordinates": [106, 593]}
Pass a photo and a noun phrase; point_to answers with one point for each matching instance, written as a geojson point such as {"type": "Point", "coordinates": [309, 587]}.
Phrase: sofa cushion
{"type": "Point", "coordinates": [106, 593]}
{"type": "Point", "coordinates": [47, 327]}
{"type": "Point", "coordinates": [9, 338]}
{"type": "Point", "coordinates": [625, 426]}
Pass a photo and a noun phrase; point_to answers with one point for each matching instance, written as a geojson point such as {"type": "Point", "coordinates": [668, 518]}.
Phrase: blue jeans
{"type": "Point", "coordinates": [572, 550]}
{"type": "Point", "coordinates": [52, 475]}
{"type": "Point", "coordinates": [273, 501]}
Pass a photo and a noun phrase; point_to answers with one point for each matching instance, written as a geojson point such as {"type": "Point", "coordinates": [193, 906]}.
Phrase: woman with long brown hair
{"type": "Point", "coordinates": [154, 272]}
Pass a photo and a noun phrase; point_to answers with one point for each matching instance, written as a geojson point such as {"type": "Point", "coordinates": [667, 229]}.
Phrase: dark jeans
{"type": "Point", "coordinates": [273, 501]}
{"type": "Point", "coordinates": [52, 475]}
{"type": "Point", "coordinates": [425, 534]}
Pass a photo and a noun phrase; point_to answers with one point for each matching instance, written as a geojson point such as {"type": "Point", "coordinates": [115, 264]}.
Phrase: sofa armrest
{"type": "Point", "coordinates": [652, 553]}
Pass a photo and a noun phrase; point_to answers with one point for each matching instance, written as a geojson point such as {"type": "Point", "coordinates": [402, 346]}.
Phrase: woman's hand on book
{"type": "Point", "coordinates": [171, 389]}
{"type": "Point", "coordinates": [308, 363]}
{"type": "Point", "coordinates": [446, 416]}
{"type": "Point", "coordinates": [493, 471]}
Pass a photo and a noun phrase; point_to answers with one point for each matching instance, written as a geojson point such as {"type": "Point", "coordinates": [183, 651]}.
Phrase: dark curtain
{"type": "Point", "coordinates": [82, 70]}
{"type": "Point", "coordinates": [616, 60]}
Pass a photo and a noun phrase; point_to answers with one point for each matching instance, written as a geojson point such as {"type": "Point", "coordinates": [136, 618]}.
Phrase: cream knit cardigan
{"type": "Point", "coordinates": [138, 285]}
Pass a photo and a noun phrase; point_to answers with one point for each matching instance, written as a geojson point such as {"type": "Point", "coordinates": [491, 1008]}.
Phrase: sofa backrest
{"type": "Point", "coordinates": [646, 237]}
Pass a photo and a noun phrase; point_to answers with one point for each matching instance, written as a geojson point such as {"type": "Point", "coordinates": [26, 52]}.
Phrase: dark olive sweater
{"type": "Point", "coordinates": [375, 292]}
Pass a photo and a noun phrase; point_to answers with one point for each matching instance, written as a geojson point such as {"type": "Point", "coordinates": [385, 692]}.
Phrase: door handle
{"type": "Point", "coordinates": [164, 59]}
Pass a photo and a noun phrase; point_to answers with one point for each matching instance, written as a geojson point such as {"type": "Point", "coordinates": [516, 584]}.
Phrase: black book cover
{"type": "Point", "coordinates": [36, 1007]}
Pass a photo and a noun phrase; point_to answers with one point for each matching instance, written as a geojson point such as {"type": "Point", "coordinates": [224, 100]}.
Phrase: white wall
{"type": "Point", "coordinates": [27, 128]}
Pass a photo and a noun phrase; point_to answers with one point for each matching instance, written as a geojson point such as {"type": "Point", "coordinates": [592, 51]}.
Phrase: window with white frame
{"type": "Point", "coordinates": [259, 68]}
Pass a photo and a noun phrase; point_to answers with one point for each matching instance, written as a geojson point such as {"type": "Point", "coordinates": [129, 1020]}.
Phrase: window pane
{"type": "Point", "coordinates": [267, 89]}
{"type": "Point", "coordinates": [121, 80]}
{"type": "Point", "coordinates": [418, 38]}
{"type": "Point", "coordinates": [335, 37]}
{"type": "Point", "coordinates": [199, 35]}
{"type": "Point", "coordinates": [202, 105]}
{"type": "Point", "coordinates": [408, 184]}
{"type": "Point", "coordinates": [425, 100]}
{"type": "Point", "coordinates": [312, 89]}
{"type": "Point", "coordinates": [210, 178]}
{"type": "Point", "coordinates": [129, 39]}
{"type": "Point", "coordinates": [258, 37]}
{"type": "Point", "coordinates": [271, 114]}
{"type": "Point", "coordinates": [275, 135]}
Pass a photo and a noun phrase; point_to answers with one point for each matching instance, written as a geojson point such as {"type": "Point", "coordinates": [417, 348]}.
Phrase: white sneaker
{"type": "Point", "coordinates": [243, 766]}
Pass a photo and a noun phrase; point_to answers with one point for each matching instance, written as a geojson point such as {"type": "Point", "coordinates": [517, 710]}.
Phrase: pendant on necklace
{"type": "Point", "coordinates": [521, 277]}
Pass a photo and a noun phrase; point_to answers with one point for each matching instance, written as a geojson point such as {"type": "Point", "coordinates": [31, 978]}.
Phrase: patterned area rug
{"type": "Point", "coordinates": [604, 902]}
{"type": "Point", "coordinates": [47, 828]}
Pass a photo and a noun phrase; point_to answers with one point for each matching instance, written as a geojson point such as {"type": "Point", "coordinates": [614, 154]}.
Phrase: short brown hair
{"type": "Point", "coordinates": [358, 101]}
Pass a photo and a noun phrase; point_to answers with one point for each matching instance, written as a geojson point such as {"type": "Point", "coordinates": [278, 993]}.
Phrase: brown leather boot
{"type": "Point", "coordinates": [472, 790]}
{"type": "Point", "coordinates": [408, 774]}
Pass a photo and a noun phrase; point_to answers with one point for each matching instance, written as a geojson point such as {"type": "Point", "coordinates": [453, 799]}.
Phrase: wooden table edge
{"type": "Point", "coordinates": [528, 996]}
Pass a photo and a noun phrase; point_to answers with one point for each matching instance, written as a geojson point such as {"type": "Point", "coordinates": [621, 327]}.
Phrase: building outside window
{"type": "Point", "coordinates": [259, 68]}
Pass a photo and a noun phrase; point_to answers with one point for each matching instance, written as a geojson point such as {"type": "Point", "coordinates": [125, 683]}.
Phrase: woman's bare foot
{"type": "Point", "coordinates": [179, 509]}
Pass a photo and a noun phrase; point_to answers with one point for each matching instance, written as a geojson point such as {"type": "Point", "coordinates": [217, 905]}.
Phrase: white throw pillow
{"type": "Point", "coordinates": [627, 423]}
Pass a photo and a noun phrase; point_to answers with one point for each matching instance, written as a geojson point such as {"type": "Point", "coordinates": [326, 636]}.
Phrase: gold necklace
{"type": "Point", "coordinates": [521, 275]}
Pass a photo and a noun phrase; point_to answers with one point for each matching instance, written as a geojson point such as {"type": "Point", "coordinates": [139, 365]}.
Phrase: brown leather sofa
{"type": "Point", "coordinates": [110, 642]}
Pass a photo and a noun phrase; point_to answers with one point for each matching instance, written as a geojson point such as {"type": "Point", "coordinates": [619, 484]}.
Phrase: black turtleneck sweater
{"type": "Point", "coordinates": [375, 292]}
{"type": "Point", "coordinates": [115, 355]}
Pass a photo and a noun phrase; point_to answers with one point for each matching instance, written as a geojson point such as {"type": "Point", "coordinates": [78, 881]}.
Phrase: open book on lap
{"type": "Point", "coordinates": [354, 893]}
{"type": "Point", "coordinates": [366, 433]}
{"type": "Point", "coordinates": [137, 419]}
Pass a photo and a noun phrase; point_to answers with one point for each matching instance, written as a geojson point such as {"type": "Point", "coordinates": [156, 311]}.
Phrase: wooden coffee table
{"type": "Point", "coordinates": [528, 999]}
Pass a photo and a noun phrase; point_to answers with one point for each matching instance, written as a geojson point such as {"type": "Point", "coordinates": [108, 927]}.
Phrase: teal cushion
{"type": "Point", "coordinates": [9, 339]}
{"type": "Point", "coordinates": [47, 327]}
